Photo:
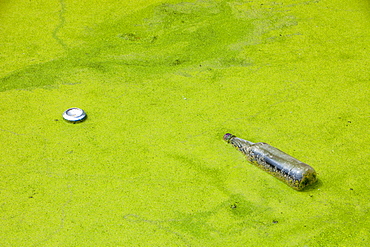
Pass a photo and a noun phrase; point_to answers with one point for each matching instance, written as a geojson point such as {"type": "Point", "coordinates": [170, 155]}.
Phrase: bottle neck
{"type": "Point", "coordinates": [236, 141]}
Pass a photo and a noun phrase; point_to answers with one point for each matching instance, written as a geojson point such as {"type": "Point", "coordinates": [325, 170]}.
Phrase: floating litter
{"type": "Point", "coordinates": [291, 171]}
{"type": "Point", "coordinates": [74, 115]}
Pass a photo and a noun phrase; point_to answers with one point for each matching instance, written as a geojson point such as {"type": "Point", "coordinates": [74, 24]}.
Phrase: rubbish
{"type": "Point", "coordinates": [291, 171]}
{"type": "Point", "coordinates": [74, 115]}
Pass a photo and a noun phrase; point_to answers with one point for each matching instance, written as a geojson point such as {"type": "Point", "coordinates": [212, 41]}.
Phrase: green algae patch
{"type": "Point", "coordinates": [161, 83]}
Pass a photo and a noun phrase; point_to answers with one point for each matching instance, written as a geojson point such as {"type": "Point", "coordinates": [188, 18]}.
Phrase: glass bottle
{"type": "Point", "coordinates": [291, 171]}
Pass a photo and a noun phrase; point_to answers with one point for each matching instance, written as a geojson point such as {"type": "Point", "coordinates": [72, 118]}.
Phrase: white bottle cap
{"type": "Point", "coordinates": [74, 115]}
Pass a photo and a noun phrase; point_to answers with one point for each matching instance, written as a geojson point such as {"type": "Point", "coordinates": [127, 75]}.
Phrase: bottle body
{"type": "Point", "coordinates": [291, 171]}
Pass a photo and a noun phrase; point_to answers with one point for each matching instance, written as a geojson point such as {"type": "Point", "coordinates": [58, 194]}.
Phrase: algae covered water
{"type": "Point", "coordinates": [161, 82]}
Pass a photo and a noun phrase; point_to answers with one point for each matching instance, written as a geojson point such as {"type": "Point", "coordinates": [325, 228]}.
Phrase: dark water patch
{"type": "Point", "coordinates": [184, 34]}
{"type": "Point", "coordinates": [200, 224]}
{"type": "Point", "coordinates": [159, 39]}
{"type": "Point", "coordinates": [34, 76]}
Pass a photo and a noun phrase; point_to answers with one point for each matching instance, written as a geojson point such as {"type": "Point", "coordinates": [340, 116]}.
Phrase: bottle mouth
{"type": "Point", "coordinates": [227, 137]}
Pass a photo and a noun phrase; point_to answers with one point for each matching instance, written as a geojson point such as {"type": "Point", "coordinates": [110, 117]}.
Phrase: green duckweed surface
{"type": "Point", "coordinates": [162, 82]}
